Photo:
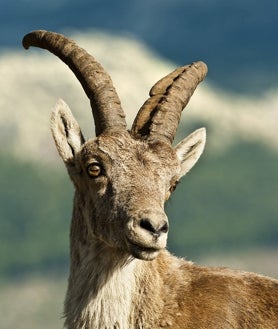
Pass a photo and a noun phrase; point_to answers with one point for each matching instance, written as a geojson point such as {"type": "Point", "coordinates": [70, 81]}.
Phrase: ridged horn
{"type": "Point", "coordinates": [97, 84]}
{"type": "Point", "coordinates": [159, 116]}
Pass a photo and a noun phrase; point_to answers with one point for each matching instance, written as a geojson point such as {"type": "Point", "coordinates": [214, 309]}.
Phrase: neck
{"type": "Point", "coordinates": [101, 283]}
{"type": "Point", "coordinates": [106, 287]}
{"type": "Point", "coordinates": [101, 290]}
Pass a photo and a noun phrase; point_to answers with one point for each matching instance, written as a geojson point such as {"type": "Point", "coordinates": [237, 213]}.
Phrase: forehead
{"type": "Point", "coordinates": [122, 148]}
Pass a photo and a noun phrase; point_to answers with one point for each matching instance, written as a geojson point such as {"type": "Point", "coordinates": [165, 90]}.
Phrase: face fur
{"type": "Point", "coordinates": [128, 182]}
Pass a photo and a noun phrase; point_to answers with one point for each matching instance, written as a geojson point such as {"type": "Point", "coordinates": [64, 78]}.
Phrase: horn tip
{"type": "Point", "coordinates": [201, 66]}
{"type": "Point", "coordinates": [29, 38]}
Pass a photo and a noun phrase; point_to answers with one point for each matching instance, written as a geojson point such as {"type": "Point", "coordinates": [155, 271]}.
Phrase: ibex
{"type": "Point", "coordinates": [121, 275]}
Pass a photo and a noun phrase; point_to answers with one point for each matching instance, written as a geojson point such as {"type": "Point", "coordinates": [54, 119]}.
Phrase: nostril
{"type": "Point", "coordinates": [164, 228]}
{"type": "Point", "coordinates": [155, 229]}
{"type": "Point", "coordinates": [146, 225]}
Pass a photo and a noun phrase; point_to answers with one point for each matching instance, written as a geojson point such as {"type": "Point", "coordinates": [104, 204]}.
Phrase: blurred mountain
{"type": "Point", "coordinates": [237, 39]}
{"type": "Point", "coordinates": [229, 201]}
{"type": "Point", "coordinates": [32, 82]}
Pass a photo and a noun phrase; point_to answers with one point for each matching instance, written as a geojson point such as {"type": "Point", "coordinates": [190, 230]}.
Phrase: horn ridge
{"type": "Point", "coordinates": [97, 84]}
{"type": "Point", "coordinates": [159, 116]}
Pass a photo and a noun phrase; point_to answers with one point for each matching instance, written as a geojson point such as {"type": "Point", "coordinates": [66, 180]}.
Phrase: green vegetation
{"type": "Point", "coordinates": [34, 217]}
{"type": "Point", "coordinates": [227, 202]}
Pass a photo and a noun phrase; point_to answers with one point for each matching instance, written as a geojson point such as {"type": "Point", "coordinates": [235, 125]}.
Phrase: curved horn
{"type": "Point", "coordinates": [159, 116]}
{"type": "Point", "coordinates": [96, 83]}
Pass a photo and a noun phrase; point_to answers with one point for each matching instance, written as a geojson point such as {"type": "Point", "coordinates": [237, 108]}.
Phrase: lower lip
{"type": "Point", "coordinates": [143, 252]}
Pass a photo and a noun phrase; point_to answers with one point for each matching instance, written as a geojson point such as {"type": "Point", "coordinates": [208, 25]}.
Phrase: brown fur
{"type": "Point", "coordinates": [166, 292]}
{"type": "Point", "coordinates": [121, 276]}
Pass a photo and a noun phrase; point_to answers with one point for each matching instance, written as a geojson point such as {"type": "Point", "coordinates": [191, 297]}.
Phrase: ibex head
{"type": "Point", "coordinates": [123, 177]}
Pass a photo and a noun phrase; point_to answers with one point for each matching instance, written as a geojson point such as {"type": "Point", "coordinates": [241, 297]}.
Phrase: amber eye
{"type": "Point", "coordinates": [94, 170]}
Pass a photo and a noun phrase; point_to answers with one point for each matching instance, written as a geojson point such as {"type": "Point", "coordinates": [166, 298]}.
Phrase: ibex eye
{"type": "Point", "coordinates": [94, 170]}
{"type": "Point", "coordinates": [173, 187]}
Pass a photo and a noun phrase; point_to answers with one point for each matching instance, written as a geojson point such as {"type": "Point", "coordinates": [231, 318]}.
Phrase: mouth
{"type": "Point", "coordinates": [143, 252]}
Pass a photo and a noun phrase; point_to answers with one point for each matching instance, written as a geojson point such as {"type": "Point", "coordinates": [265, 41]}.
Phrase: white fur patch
{"type": "Point", "coordinates": [112, 305]}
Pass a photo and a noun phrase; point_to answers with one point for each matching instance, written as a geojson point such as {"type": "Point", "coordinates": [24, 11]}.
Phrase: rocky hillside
{"type": "Point", "coordinates": [32, 81]}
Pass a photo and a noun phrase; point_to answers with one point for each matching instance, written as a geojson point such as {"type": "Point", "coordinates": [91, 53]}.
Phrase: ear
{"type": "Point", "coordinates": [66, 132]}
{"type": "Point", "coordinates": [190, 149]}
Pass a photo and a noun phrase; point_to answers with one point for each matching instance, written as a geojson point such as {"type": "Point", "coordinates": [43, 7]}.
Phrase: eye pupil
{"type": "Point", "coordinates": [94, 170]}
{"type": "Point", "coordinates": [173, 187]}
